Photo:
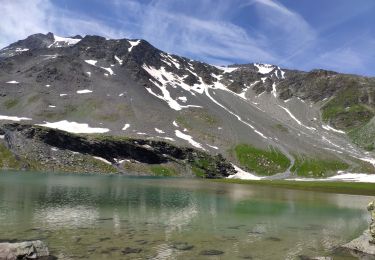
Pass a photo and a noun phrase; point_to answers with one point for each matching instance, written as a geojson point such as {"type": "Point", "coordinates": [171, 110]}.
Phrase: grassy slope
{"type": "Point", "coordinates": [261, 162]}
{"type": "Point", "coordinates": [307, 167]}
{"type": "Point", "coordinates": [347, 113]}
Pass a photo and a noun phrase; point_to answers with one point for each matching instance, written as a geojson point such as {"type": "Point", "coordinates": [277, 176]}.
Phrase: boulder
{"type": "Point", "coordinates": [24, 250]}
{"type": "Point", "coordinates": [361, 245]}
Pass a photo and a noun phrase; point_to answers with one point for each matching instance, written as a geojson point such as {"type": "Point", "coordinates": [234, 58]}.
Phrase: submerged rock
{"type": "Point", "coordinates": [361, 245]}
{"type": "Point", "coordinates": [211, 252]}
{"type": "Point", "coordinates": [304, 257]}
{"type": "Point", "coordinates": [129, 250]}
{"type": "Point", "coordinates": [182, 246]}
{"type": "Point", "coordinates": [24, 250]}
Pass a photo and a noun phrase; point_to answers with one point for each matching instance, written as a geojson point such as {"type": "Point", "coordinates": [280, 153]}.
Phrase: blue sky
{"type": "Point", "coordinates": [299, 34]}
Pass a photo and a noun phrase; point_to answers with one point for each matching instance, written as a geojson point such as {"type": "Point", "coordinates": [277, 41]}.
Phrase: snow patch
{"type": "Point", "coordinates": [126, 126]}
{"type": "Point", "coordinates": [165, 78]}
{"type": "Point", "coordinates": [213, 147]}
{"type": "Point", "coordinates": [329, 128]}
{"type": "Point", "coordinates": [183, 99]}
{"type": "Point", "coordinates": [188, 138]}
{"type": "Point", "coordinates": [227, 69]}
{"type": "Point", "coordinates": [243, 93]}
{"type": "Point", "coordinates": [62, 41]}
{"type": "Point", "coordinates": [369, 160]}
{"type": "Point", "coordinates": [84, 91]}
{"type": "Point", "coordinates": [274, 91]}
{"type": "Point", "coordinates": [110, 71]}
{"type": "Point", "coordinates": [159, 131]}
{"type": "Point", "coordinates": [166, 138]}
{"type": "Point", "coordinates": [13, 82]}
{"type": "Point", "coordinates": [243, 175]}
{"type": "Point", "coordinates": [51, 106]}
{"type": "Point", "coordinates": [14, 118]}
{"type": "Point", "coordinates": [102, 159]}
{"type": "Point", "coordinates": [295, 119]}
{"type": "Point", "coordinates": [343, 176]}
{"type": "Point", "coordinates": [264, 68]}
{"type": "Point", "coordinates": [120, 61]}
{"type": "Point", "coordinates": [175, 124]}
{"type": "Point", "coordinates": [74, 127]}
{"type": "Point", "coordinates": [62, 95]}
{"type": "Point", "coordinates": [133, 44]}
{"type": "Point", "coordinates": [220, 86]}
{"type": "Point", "coordinates": [21, 50]}
{"type": "Point", "coordinates": [91, 62]}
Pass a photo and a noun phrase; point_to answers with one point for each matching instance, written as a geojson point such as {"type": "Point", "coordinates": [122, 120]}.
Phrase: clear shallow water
{"type": "Point", "coordinates": [114, 217]}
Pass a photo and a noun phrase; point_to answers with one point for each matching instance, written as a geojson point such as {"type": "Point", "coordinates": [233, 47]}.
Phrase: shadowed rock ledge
{"type": "Point", "coordinates": [45, 149]}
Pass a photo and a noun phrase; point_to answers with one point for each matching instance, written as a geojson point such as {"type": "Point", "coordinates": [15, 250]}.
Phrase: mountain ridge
{"type": "Point", "coordinates": [132, 88]}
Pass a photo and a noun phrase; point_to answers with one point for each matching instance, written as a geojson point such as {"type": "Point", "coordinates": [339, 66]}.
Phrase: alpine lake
{"type": "Point", "coordinates": [119, 217]}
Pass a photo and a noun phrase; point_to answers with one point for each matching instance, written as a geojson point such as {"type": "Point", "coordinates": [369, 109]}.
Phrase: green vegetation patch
{"type": "Point", "coordinates": [281, 128]}
{"type": "Point", "coordinates": [202, 166]}
{"type": "Point", "coordinates": [10, 103]}
{"type": "Point", "coordinates": [159, 170]}
{"type": "Point", "coordinates": [314, 168]}
{"type": "Point", "coordinates": [364, 136]}
{"type": "Point", "coordinates": [345, 112]}
{"type": "Point", "coordinates": [33, 98]}
{"type": "Point", "coordinates": [198, 172]}
{"type": "Point", "coordinates": [7, 159]}
{"type": "Point", "coordinates": [261, 162]}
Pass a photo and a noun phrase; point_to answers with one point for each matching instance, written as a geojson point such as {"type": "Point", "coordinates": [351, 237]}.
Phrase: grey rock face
{"type": "Point", "coordinates": [24, 250]}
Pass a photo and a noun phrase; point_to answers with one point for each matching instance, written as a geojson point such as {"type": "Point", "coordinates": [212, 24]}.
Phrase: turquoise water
{"type": "Point", "coordinates": [115, 217]}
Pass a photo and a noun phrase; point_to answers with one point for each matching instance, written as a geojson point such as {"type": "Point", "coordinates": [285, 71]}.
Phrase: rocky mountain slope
{"type": "Point", "coordinates": [267, 120]}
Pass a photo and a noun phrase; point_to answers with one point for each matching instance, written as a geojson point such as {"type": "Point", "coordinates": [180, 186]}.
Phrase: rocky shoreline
{"type": "Point", "coordinates": [361, 247]}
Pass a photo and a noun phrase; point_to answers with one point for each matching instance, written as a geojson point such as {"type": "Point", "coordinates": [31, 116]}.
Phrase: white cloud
{"type": "Point", "coordinates": [287, 30]}
{"type": "Point", "coordinates": [20, 19]}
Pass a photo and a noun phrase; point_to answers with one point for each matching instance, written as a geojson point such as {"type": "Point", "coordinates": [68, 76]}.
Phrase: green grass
{"type": "Point", "coordinates": [159, 170]}
{"type": "Point", "coordinates": [198, 172]}
{"type": "Point", "coordinates": [261, 162]}
{"type": "Point", "coordinates": [332, 187]}
{"type": "Point", "coordinates": [345, 112]}
{"type": "Point", "coordinates": [7, 159]}
{"type": "Point", "coordinates": [10, 103]}
{"type": "Point", "coordinates": [364, 136]}
{"type": "Point", "coordinates": [281, 128]}
{"type": "Point", "coordinates": [307, 167]}
{"type": "Point", "coordinates": [33, 98]}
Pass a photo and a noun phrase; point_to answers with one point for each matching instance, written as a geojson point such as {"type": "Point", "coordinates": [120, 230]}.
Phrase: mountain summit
{"type": "Point", "coordinates": [267, 120]}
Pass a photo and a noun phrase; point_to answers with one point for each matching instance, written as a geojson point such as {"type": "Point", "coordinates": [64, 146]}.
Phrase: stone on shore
{"type": "Point", "coordinates": [24, 250]}
{"type": "Point", "coordinates": [361, 245]}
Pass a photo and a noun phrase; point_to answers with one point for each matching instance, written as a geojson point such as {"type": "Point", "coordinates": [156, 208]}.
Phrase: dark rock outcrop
{"type": "Point", "coordinates": [20, 137]}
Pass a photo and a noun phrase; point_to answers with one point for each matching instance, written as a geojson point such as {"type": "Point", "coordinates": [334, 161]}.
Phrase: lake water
{"type": "Point", "coordinates": [116, 217]}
